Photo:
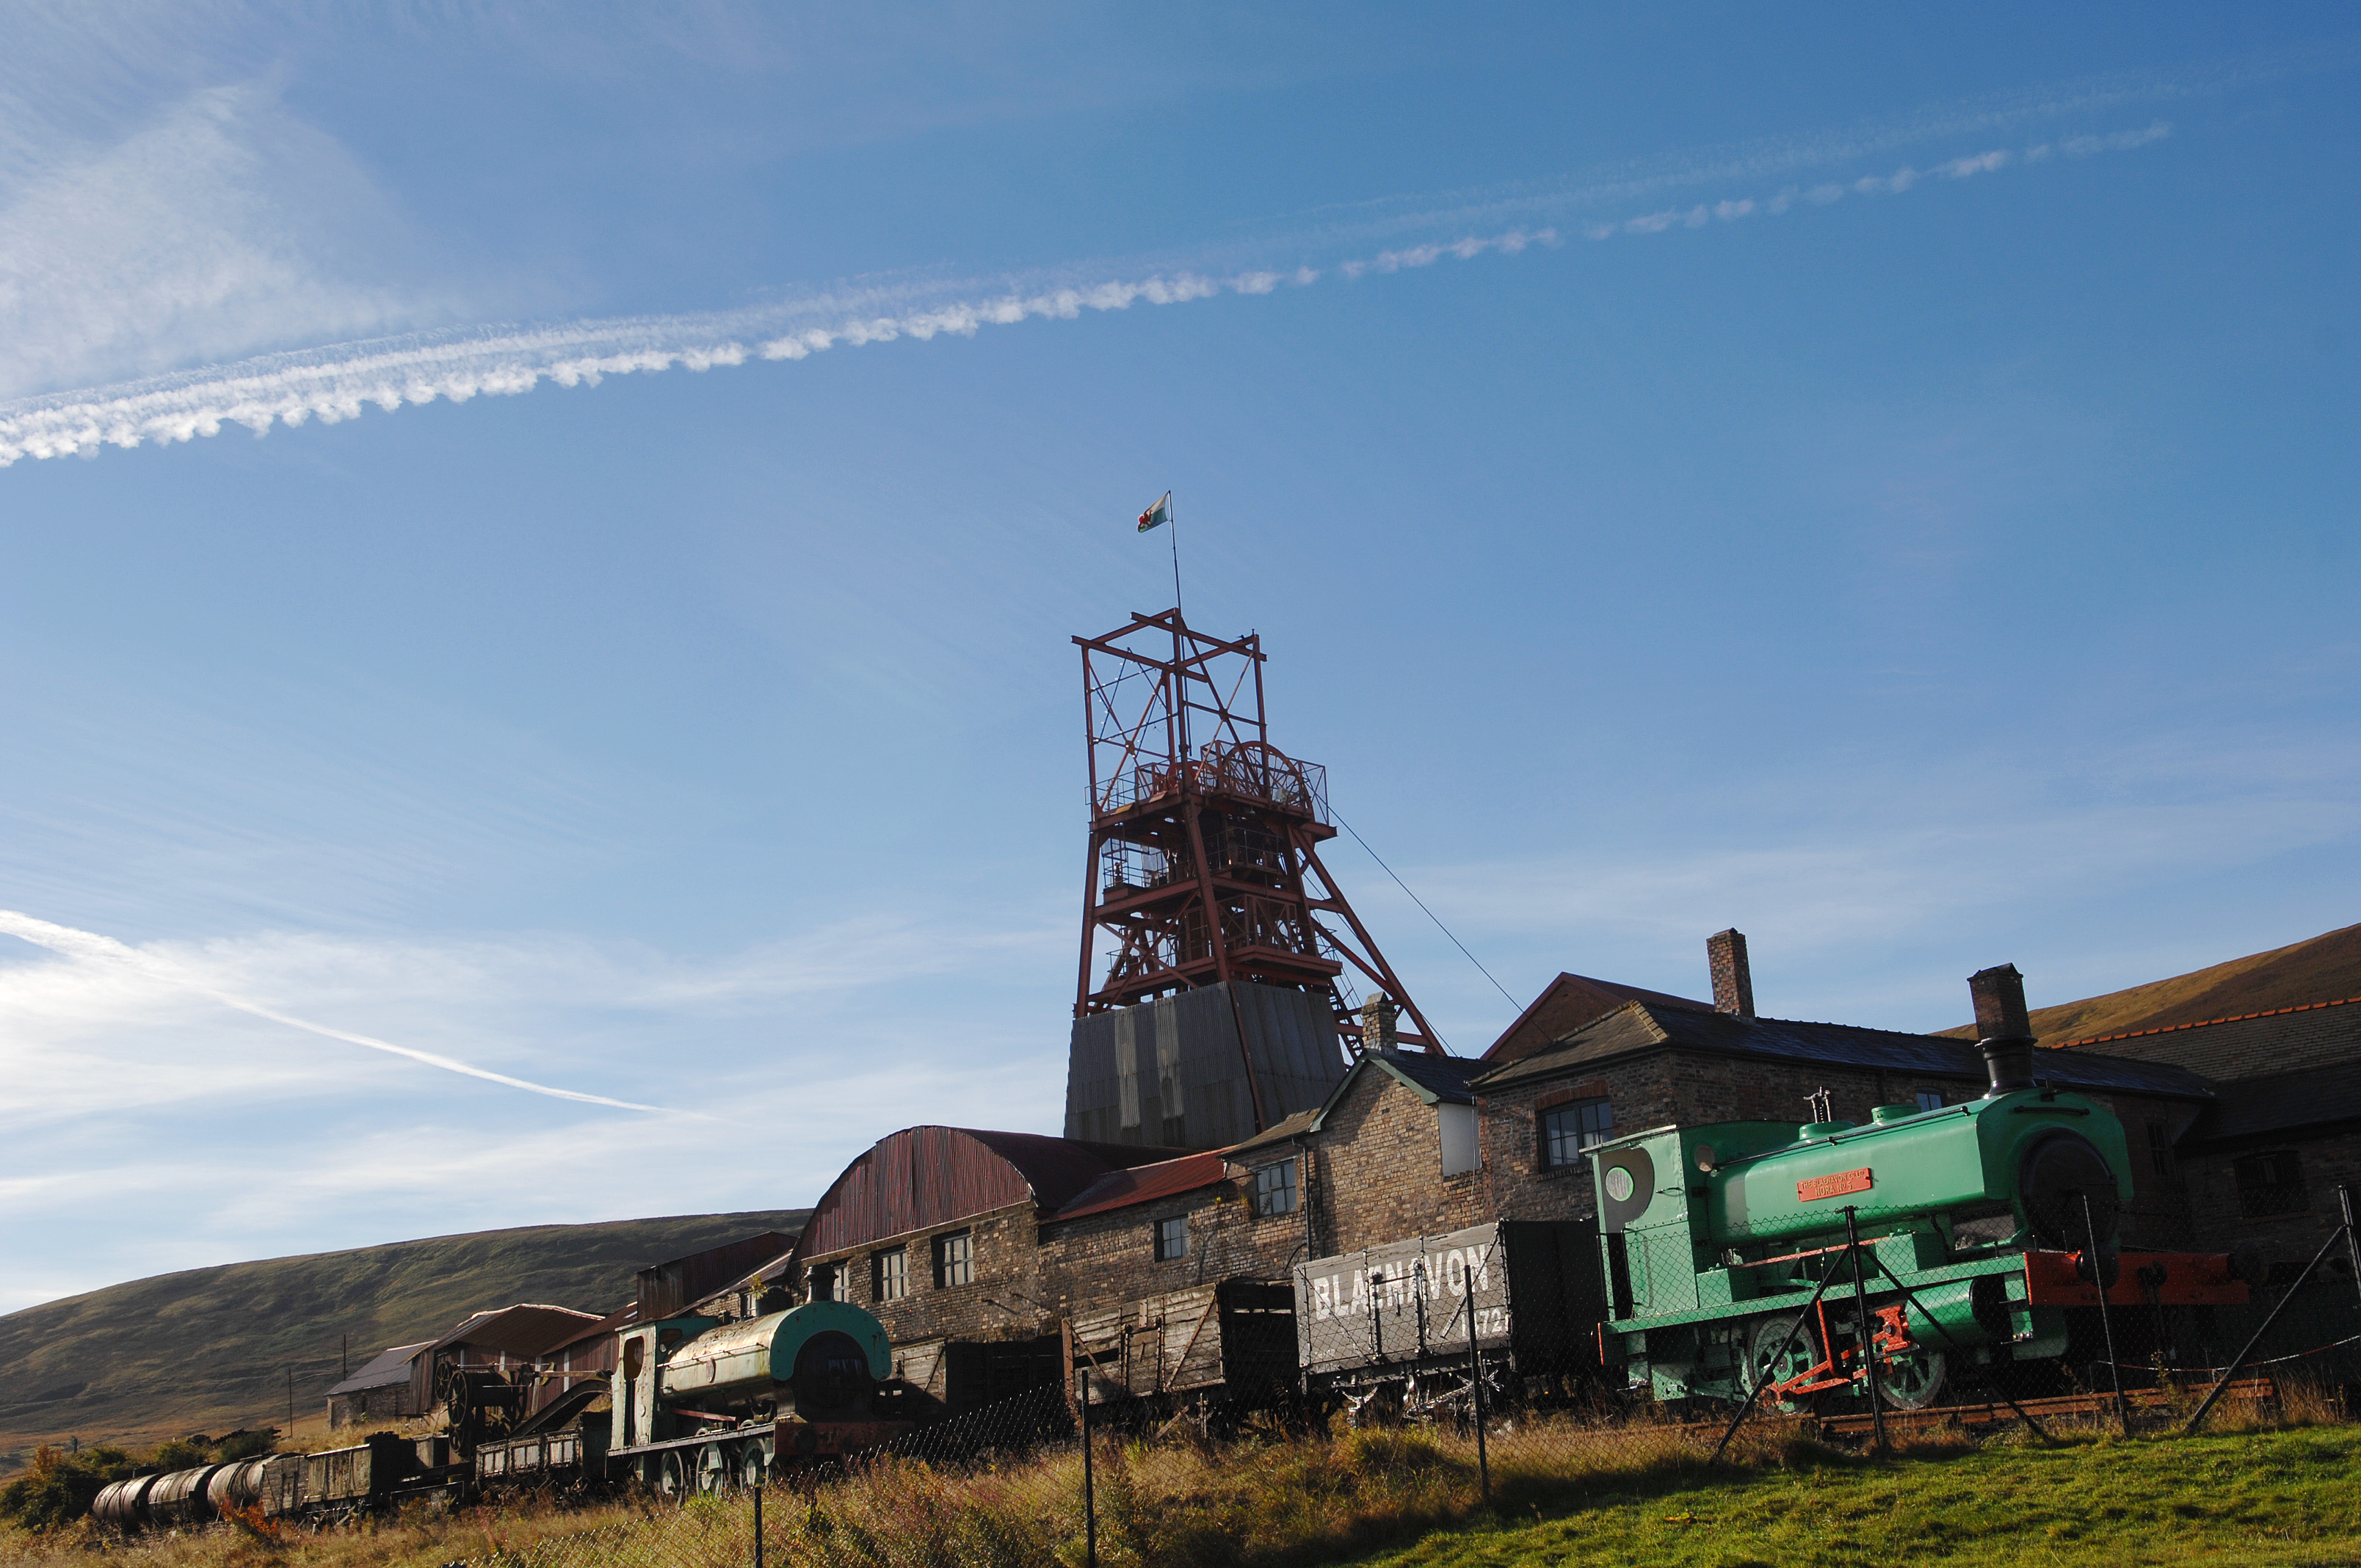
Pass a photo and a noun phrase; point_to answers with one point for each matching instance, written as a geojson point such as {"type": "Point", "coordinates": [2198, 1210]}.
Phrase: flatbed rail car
{"type": "Point", "coordinates": [1394, 1321]}
{"type": "Point", "coordinates": [1232, 1339]}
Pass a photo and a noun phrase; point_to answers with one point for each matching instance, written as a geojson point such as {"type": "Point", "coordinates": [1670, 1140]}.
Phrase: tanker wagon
{"type": "Point", "coordinates": [705, 1406]}
{"type": "Point", "coordinates": [1986, 1232]}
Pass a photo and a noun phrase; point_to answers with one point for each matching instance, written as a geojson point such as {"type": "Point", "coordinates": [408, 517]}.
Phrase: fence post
{"type": "Point", "coordinates": [2352, 1237]}
{"type": "Point", "coordinates": [1089, 1490]}
{"type": "Point", "coordinates": [2107, 1314]}
{"type": "Point", "coordinates": [1475, 1378]}
{"type": "Point", "coordinates": [758, 1524]}
{"type": "Point", "coordinates": [1868, 1335]}
{"type": "Point", "coordinates": [2239, 1362]}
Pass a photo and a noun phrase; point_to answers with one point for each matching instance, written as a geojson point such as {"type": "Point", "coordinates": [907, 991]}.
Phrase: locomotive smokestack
{"type": "Point", "coordinates": [1733, 983]}
{"type": "Point", "coordinates": [2006, 1031]}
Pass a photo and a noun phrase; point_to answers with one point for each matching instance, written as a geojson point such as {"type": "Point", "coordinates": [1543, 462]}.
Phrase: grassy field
{"type": "Point", "coordinates": [210, 1349]}
{"type": "Point", "coordinates": [2287, 1498]}
{"type": "Point", "coordinates": [1639, 1494]}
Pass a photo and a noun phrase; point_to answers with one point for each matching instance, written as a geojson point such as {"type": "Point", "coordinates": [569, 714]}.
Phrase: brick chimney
{"type": "Point", "coordinates": [1377, 1015]}
{"type": "Point", "coordinates": [1733, 983]}
{"type": "Point", "coordinates": [2005, 1031]}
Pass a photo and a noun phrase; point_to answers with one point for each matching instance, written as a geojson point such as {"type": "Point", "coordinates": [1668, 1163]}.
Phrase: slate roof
{"type": "Point", "coordinates": [384, 1370]}
{"type": "Point", "coordinates": [2258, 1045]}
{"type": "Point", "coordinates": [1435, 1077]}
{"type": "Point", "coordinates": [2311, 1099]}
{"type": "Point", "coordinates": [1639, 1026]}
{"type": "Point", "coordinates": [1146, 1183]}
{"type": "Point", "coordinates": [1294, 1126]}
{"type": "Point", "coordinates": [1568, 1002]}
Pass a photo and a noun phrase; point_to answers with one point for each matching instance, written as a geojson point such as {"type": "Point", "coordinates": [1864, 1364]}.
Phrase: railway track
{"type": "Point", "coordinates": [2067, 1406]}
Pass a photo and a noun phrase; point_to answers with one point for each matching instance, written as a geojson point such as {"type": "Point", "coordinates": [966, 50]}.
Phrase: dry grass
{"type": "Point", "coordinates": [1266, 1502]}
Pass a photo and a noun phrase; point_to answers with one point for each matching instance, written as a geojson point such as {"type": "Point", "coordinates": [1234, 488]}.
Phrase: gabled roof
{"type": "Point", "coordinates": [1568, 1002]}
{"type": "Point", "coordinates": [1638, 1027]}
{"type": "Point", "coordinates": [1294, 1127]}
{"type": "Point", "coordinates": [2287, 1102]}
{"type": "Point", "coordinates": [1146, 1183]}
{"type": "Point", "coordinates": [385, 1369]}
{"type": "Point", "coordinates": [1435, 1080]}
{"type": "Point", "coordinates": [524, 1330]}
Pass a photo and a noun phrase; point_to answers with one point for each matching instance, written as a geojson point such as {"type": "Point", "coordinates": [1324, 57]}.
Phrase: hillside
{"type": "Point", "coordinates": [210, 1349]}
{"type": "Point", "coordinates": [2326, 968]}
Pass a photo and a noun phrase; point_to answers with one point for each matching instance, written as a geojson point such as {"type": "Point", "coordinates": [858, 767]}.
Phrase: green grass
{"type": "Point", "coordinates": [206, 1349]}
{"type": "Point", "coordinates": [2282, 1498]}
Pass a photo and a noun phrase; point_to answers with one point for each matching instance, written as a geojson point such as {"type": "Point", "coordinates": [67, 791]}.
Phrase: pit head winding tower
{"type": "Point", "coordinates": [1226, 958]}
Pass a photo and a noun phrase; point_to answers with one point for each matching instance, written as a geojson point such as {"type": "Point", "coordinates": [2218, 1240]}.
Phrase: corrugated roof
{"type": "Point", "coordinates": [384, 1369]}
{"type": "Point", "coordinates": [1638, 1027]}
{"type": "Point", "coordinates": [1142, 1184]}
{"type": "Point", "coordinates": [2284, 1103]}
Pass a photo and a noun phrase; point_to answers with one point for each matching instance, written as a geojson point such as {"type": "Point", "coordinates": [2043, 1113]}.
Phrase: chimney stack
{"type": "Point", "coordinates": [1733, 983]}
{"type": "Point", "coordinates": [1377, 1015]}
{"type": "Point", "coordinates": [2006, 1031]}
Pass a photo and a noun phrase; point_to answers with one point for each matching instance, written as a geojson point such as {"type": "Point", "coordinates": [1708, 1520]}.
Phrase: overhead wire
{"type": "Point", "coordinates": [1422, 904]}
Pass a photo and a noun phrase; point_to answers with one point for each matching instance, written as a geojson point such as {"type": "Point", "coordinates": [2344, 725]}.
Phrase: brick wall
{"type": "Point", "coordinates": [1379, 1178]}
{"type": "Point", "coordinates": [1642, 1092]}
{"type": "Point", "coordinates": [997, 1304]}
{"type": "Point", "coordinates": [2222, 1221]}
{"type": "Point", "coordinates": [1101, 1260]}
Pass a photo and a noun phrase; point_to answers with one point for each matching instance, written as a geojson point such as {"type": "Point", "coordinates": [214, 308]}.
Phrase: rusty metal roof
{"type": "Point", "coordinates": [922, 1177]}
{"type": "Point", "coordinates": [524, 1330]}
{"type": "Point", "coordinates": [384, 1369]}
{"type": "Point", "coordinates": [1143, 1184]}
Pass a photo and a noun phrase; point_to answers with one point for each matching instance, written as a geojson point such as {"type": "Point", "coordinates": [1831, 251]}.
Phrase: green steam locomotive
{"type": "Point", "coordinates": [1986, 1232]}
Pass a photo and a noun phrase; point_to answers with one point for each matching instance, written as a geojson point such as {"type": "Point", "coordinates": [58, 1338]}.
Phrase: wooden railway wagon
{"type": "Point", "coordinates": [1397, 1323]}
{"type": "Point", "coordinates": [567, 1456]}
{"type": "Point", "coordinates": [1233, 1338]}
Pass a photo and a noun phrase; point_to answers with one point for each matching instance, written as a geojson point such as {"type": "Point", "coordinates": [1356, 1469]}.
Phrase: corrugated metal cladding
{"type": "Point", "coordinates": [666, 1289]}
{"type": "Point", "coordinates": [1169, 1072]}
{"type": "Point", "coordinates": [910, 1179]}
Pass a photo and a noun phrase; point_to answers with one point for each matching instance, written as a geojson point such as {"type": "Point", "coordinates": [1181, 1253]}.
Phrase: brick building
{"type": "Point", "coordinates": [2264, 1161]}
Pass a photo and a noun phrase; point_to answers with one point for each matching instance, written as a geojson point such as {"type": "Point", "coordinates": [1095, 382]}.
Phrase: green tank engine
{"type": "Point", "coordinates": [1713, 1238]}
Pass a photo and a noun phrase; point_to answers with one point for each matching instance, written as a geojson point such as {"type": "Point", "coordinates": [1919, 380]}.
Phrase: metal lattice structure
{"type": "Point", "coordinates": [1205, 864]}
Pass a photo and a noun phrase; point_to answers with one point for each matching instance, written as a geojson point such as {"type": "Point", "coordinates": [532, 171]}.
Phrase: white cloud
{"type": "Point", "coordinates": [222, 226]}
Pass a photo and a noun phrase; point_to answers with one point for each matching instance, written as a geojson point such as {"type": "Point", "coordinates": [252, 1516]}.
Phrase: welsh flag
{"type": "Point", "coordinates": [1158, 514]}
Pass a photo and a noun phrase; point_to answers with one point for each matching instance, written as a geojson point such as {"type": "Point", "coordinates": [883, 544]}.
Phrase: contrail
{"type": "Point", "coordinates": [339, 381]}
{"type": "Point", "coordinates": [89, 947]}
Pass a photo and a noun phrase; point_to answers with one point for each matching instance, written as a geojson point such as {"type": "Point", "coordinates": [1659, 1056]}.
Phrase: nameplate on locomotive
{"type": "Point", "coordinates": [1836, 1186]}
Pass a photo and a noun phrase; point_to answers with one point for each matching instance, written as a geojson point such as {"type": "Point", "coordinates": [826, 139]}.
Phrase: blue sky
{"type": "Point", "coordinates": [1882, 480]}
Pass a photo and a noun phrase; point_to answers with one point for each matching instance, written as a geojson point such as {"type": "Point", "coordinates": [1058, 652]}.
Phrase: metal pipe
{"type": "Point", "coordinates": [1754, 1385]}
{"type": "Point", "coordinates": [2107, 1314]}
{"type": "Point", "coordinates": [1868, 1338]}
{"type": "Point", "coordinates": [2239, 1362]}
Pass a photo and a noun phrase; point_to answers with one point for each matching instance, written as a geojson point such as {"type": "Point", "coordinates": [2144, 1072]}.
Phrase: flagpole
{"type": "Point", "coordinates": [1172, 521]}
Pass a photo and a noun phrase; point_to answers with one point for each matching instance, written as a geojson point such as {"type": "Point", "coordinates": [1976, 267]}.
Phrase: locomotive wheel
{"type": "Point", "coordinates": [1766, 1365]}
{"type": "Point", "coordinates": [673, 1474]}
{"type": "Point", "coordinates": [1911, 1380]}
{"type": "Point", "coordinates": [751, 1471]}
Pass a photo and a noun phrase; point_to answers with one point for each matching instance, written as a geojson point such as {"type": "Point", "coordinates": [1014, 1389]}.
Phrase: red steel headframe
{"type": "Point", "coordinates": [1204, 862]}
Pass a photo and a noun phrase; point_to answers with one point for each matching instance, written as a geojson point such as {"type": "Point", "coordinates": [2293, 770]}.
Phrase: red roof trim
{"type": "Point", "coordinates": [2202, 1024]}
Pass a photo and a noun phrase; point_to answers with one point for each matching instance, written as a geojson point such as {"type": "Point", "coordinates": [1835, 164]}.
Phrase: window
{"type": "Point", "coordinates": [1930, 1100]}
{"type": "Point", "coordinates": [1570, 1129]}
{"type": "Point", "coordinates": [1171, 1238]}
{"type": "Point", "coordinates": [1274, 1189]}
{"type": "Point", "coordinates": [2270, 1184]}
{"type": "Point", "coordinates": [1461, 1151]}
{"type": "Point", "coordinates": [2159, 1148]}
{"type": "Point", "coordinates": [889, 1274]}
{"type": "Point", "coordinates": [954, 1259]}
{"type": "Point", "coordinates": [822, 1282]}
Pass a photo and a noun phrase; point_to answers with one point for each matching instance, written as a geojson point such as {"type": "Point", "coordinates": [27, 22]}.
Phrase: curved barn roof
{"type": "Point", "coordinates": [921, 1177]}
